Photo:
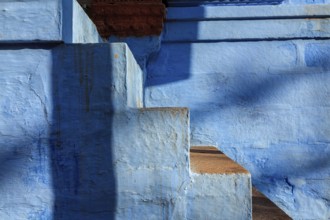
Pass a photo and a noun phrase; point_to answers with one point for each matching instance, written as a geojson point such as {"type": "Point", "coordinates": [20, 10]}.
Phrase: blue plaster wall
{"type": "Point", "coordinates": [73, 141]}
{"type": "Point", "coordinates": [55, 147]}
{"type": "Point", "coordinates": [263, 101]}
{"type": "Point", "coordinates": [72, 137]}
{"type": "Point", "coordinates": [45, 21]}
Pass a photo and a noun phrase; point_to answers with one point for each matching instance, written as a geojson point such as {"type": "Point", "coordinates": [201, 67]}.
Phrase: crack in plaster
{"type": "Point", "coordinates": [36, 94]}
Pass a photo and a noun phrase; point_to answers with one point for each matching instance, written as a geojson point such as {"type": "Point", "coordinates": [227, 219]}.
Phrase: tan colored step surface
{"type": "Point", "coordinates": [264, 209]}
{"type": "Point", "coordinates": [209, 160]}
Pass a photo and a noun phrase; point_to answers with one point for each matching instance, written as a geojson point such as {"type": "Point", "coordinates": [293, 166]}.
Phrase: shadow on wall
{"type": "Point", "coordinates": [182, 59]}
{"type": "Point", "coordinates": [265, 104]}
{"type": "Point", "coordinates": [84, 181]}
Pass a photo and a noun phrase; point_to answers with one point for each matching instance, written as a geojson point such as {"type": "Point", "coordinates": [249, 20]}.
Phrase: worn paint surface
{"type": "Point", "coordinates": [76, 142]}
{"type": "Point", "coordinates": [220, 188]}
{"type": "Point", "coordinates": [47, 21]}
{"type": "Point", "coordinates": [263, 103]}
{"type": "Point", "coordinates": [71, 146]}
{"type": "Point", "coordinates": [226, 196]}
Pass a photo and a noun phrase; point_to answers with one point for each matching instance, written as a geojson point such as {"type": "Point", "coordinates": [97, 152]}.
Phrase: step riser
{"type": "Point", "coordinates": [220, 197]}
{"type": "Point", "coordinates": [220, 188]}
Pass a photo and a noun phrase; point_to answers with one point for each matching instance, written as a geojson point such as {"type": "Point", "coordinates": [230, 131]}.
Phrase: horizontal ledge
{"type": "Point", "coordinates": [245, 40]}
{"type": "Point", "coordinates": [45, 21]}
{"type": "Point", "coordinates": [30, 21]}
{"type": "Point", "coordinates": [247, 30]}
{"type": "Point", "coordinates": [247, 12]}
{"type": "Point", "coordinates": [29, 42]}
{"type": "Point", "coordinates": [178, 109]}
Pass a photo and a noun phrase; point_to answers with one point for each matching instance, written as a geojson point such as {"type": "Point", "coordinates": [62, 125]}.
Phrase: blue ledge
{"type": "Point", "coordinates": [247, 23]}
{"type": "Point", "coordinates": [249, 12]}
{"type": "Point", "coordinates": [45, 21]}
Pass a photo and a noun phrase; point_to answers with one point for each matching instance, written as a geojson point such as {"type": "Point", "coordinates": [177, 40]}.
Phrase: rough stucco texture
{"type": "Point", "coordinates": [26, 174]}
{"type": "Point", "coordinates": [47, 21]}
{"type": "Point", "coordinates": [151, 161]}
{"type": "Point", "coordinates": [21, 21]}
{"type": "Point", "coordinates": [222, 196]}
{"type": "Point", "coordinates": [69, 151]}
{"type": "Point", "coordinates": [265, 104]}
{"type": "Point", "coordinates": [75, 140]}
{"type": "Point", "coordinates": [43, 150]}
{"type": "Point", "coordinates": [57, 132]}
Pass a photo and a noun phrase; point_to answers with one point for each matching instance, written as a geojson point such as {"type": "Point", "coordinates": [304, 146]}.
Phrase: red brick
{"type": "Point", "coordinates": [127, 17]}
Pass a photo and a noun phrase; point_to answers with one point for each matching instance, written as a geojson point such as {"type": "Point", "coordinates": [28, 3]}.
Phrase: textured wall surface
{"type": "Point", "coordinates": [47, 21]}
{"type": "Point", "coordinates": [83, 29]}
{"type": "Point", "coordinates": [263, 103]}
{"type": "Point", "coordinates": [76, 144]}
{"type": "Point", "coordinates": [26, 21]}
{"type": "Point", "coordinates": [75, 140]}
{"type": "Point", "coordinates": [151, 161]}
{"type": "Point", "coordinates": [70, 146]}
{"type": "Point", "coordinates": [26, 173]}
{"type": "Point", "coordinates": [46, 133]}
{"type": "Point", "coordinates": [226, 196]}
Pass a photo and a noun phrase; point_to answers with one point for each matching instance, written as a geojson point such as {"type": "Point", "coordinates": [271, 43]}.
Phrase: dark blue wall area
{"type": "Point", "coordinates": [56, 132]}
{"type": "Point", "coordinates": [81, 136]}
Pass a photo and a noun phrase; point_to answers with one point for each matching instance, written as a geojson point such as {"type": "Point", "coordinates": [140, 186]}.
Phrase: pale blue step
{"type": "Point", "coordinates": [219, 189]}
{"type": "Point", "coordinates": [45, 21]}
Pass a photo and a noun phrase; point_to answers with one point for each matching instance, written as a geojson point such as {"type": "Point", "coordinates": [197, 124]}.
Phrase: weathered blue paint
{"type": "Point", "coordinates": [83, 30]}
{"type": "Point", "coordinates": [316, 55]}
{"type": "Point", "coordinates": [141, 47]}
{"type": "Point", "coordinates": [74, 144]}
{"type": "Point", "coordinates": [247, 30]}
{"type": "Point", "coordinates": [245, 13]}
{"type": "Point", "coordinates": [264, 103]}
{"type": "Point", "coordinates": [46, 21]}
{"type": "Point", "coordinates": [26, 21]}
{"type": "Point", "coordinates": [221, 196]}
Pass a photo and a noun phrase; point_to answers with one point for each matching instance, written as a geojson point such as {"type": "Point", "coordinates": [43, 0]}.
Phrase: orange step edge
{"type": "Point", "coordinates": [209, 160]}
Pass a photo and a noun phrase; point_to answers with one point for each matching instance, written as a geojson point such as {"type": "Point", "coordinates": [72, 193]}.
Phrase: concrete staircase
{"type": "Point", "coordinates": [247, 75]}
{"type": "Point", "coordinates": [221, 189]}
{"type": "Point", "coordinates": [159, 176]}
{"type": "Point", "coordinates": [93, 151]}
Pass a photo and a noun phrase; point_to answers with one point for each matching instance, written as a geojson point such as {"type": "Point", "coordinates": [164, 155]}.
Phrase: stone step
{"type": "Point", "coordinates": [220, 189]}
{"type": "Point", "coordinates": [263, 208]}
{"type": "Point", "coordinates": [209, 160]}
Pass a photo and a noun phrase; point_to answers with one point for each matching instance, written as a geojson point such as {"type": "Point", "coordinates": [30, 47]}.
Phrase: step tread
{"type": "Point", "coordinates": [209, 160]}
{"type": "Point", "coordinates": [263, 208]}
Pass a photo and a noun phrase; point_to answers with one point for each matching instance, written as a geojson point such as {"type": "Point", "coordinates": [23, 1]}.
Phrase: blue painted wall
{"type": "Point", "coordinates": [75, 142]}
{"type": "Point", "coordinates": [70, 131]}
{"type": "Point", "coordinates": [73, 131]}
{"type": "Point", "coordinates": [54, 145]}
{"type": "Point", "coordinates": [260, 94]}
